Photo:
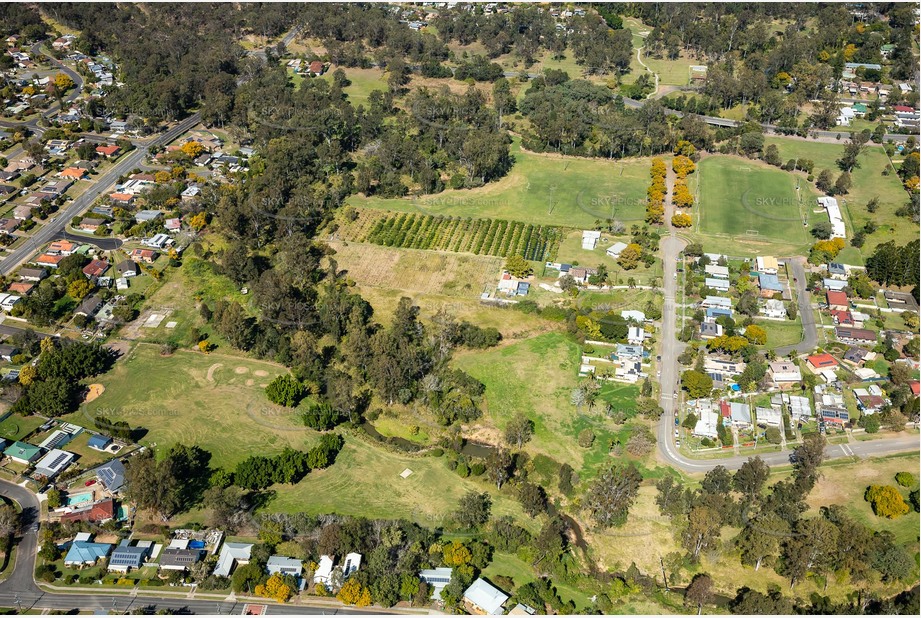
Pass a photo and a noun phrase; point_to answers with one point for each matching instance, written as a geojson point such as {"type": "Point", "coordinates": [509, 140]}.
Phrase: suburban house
{"type": "Point", "coordinates": [717, 272]}
{"type": "Point", "coordinates": [89, 306]}
{"type": "Point", "coordinates": [616, 249]}
{"type": "Point", "coordinates": [126, 556]}
{"type": "Point", "coordinates": [631, 314]}
{"type": "Point", "coordinates": [784, 373]}
{"type": "Point", "coordinates": [284, 566]}
{"type": "Point", "coordinates": [773, 309]}
{"type": "Point", "coordinates": [837, 271]}
{"type": "Point", "coordinates": [870, 400]}
{"type": "Point", "coordinates": [175, 559]}
{"type": "Point", "coordinates": [707, 420]}
{"type": "Point", "coordinates": [51, 261]}
{"type": "Point", "coordinates": [766, 264]}
{"type": "Point", "coordinates": [484, 599]}
{"type": "Point", "coordinates": [842, 318]}
{"type": "Point", "coordinates": [83, 552]}
{"type": "Point", "coordinates": [635, 335]}
{"type": "Point", "coordinates": [22, 452]}
{"type": "Point", "coordinates": [837, 301]}
{"type": "Point", "coordinates": [8, 226]}
{"type": "Point", "coordinates": [122, 199]}
{"type": "Point", "coordinates": [324, 570]}
{"type": "Point", "coordinates": [769, 284]}
{"type": "Point", "coordinates": [61, 247]}
{"type": "Point", "coordinates": [740, 414]}
{"type": "Point", "coordinates": [720, 285]}
{"type": "Point", "coordinates": [8, 301]}
{"type": "Point", "coordinates": [722, 370]}
{"type": "Point", "coordinates": [855, 355]}
{"type": "Point", "coordinates": [98, 512]}
{"type": "Point", "coordinates": [831, 207]}
{"type": "Point", "coordinates": [111, 475]}
{"type": "Point", "coordinates": [91, 224]}
{"type": "Point", "coordinates": [127, 268]}
{"type": "Point", "coordinates": [32, 274]}
{"type": "Point", "coordinates": [799, 408]}
{"type": "Point", "coordinates": [54, 463]}
{"type": "Point", "coordinates": [590, 239]}
{"type": "Point", "coordinates": [95, 269]}
{"type": "Point", "coordinates": [232, 555]}
{"type": "Point", "coordinates": [710, 330]}
{"type": "Point", "coordinates": [351, 563]}
{"type": "Point", "coordinates": [143, 255]}
{"type": "Point", "coordinates": [72, 173]}
{"type": "Point", "coordinates": [716, 302]}
{"type": "Point", "coordinates": [108, 150]}
{"type": "Point", "coordinates": [822, 361]}
{"type": "Point", "coordinates": [833, 284]}
{"type": "Point", "coordinates": [7, 352]}
{"type": "Point", "coordinates": [770, 417]}
{"type": "Point", "coordinates": [437, 580]}
{"type": "Point", "coordinates": [900, 300]}
{"type": "Point", "coordinates": [316, 68]}
{"type": "Point", "coordinates": [855, 335]}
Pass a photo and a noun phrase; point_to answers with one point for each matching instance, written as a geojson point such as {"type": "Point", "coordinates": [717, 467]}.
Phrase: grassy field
{"type": "Point", "coordinates": [783, 333]}
{"type": "Point", "coordinates": [364, 82]}
{"type": "Point", "coordinates": [546, 189]}
{"type": "Point", "coordinates": [365, 481]}
{"type": "Point", "coordinates": [535, 377]}
{"type": "Point", "coordinates": [671, 72]}
{"type": "Point", "coordinates": [15, 427]}
{"type": "Point", "coordinates": [738, 196]}
{"type": "Point", "coordinates": [571, 252]}
{"type": "Point", "coordinates": [868, 182]}
{"type": "Point", "coordinates": [215, 401]}
{"type": "Point", "coordinates": [414, 271]}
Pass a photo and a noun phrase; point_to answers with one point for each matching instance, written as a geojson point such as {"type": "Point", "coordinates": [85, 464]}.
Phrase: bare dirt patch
{"type": "Point", "coordinates": [94, 391]}
{"type": "Point", "coordinates": [211, 371]}
{"type": "Point", "coordinates": [260, 373]}
{"type": "Point", "coordinates": [241, 370]}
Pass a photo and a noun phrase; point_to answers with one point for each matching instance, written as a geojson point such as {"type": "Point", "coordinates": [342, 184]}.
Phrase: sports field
{"type": "Point", "coordinates": [542, 188]}
{"type": "Point", "coordinates": [749, 201]}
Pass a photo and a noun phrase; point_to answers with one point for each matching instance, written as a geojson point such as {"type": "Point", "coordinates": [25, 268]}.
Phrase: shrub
{"type": "Point", "coordinates": [886, 501]}
{"type": "Point", "coordinates": [906, 479]}
{"type": "Point", "coordinates": [586, 438]}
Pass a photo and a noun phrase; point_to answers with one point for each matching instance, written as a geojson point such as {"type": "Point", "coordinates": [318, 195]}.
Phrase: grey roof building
{"type": "Point", "coordinates": [112, 475]}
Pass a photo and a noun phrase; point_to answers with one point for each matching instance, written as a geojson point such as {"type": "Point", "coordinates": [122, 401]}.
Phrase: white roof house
{"type": "Point", "coordinates": [53, 463]}
{"type": "Point", "coordinates": [845, 116]}
{"type": "Point", "coordinates": [721, 285]}
{"type": "Point", "coordinates": [740, 414]}
{"type": "Point", "coordinates": [716, 271]}
{"type": "Point", "coordinates": [351, 563]}
{"type": "Point", "coordinates": [800, 408]}
{"type": "Point", "coordinates": [766, 264]}
{"type": "Point", "coordinates": [284, 565]}
{"type": "Point", "coordinates": [708, 419]}
{"type": "Point", "coordinates": [616, 249]}
{"type": "Point", "coordinates": [768, 416]}
{"type": "Point", "coordinates": [232, 555]}
{"type": "Point", "coordinates": [834, 284]}
{"type": "Point", "coordinates": [485, 597]}
{"type": "Point", "coordinates": [721, 302]}
{"type": "Point", "coordinates": [774, 308]}
{"type": "Point", "coordinates": [635, 335]}
{"type": "Point", "coordinates": [831, 207]}
{"type": "Point", "coordinates": [436, 579]}
{"type": "Point", "coordinates": [632, 314]}
{"type": "Point", "coordinates": [324, 570]}
{"type": "Point", "coordinates": [785, 371]}
{"type": "Point", "coordinates": [590, 239]}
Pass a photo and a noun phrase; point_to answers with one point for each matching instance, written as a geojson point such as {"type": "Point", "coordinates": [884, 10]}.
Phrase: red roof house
{"type": "Point", "coordinates": [837, 300]}
{"type": "Point", "coordinates": [102, 511]}
{"type": "Point", "coordinates": [915, 386]}
{"type": "Point", "coordinates": [95, 268]}
{"type": "Point", "coordinates": [108, 150]}
{"type": "Point", "coordinates": [822, 361]}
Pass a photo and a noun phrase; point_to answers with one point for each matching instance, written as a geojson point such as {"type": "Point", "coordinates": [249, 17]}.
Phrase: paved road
{"type": "Point", "coordinates": [100, 184]}
{"type": "Point", "coordinates": [8, 329]}
{"type": "Point", "coordinates": [19, 588]}
{"type": "Point", "coordinates": [106, 244]}
{"type": "Point", "coordinates": [810, 338]}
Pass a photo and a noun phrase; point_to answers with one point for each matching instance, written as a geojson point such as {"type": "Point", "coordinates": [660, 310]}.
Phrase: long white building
{"type": "Point", "coordinates": [834, 216]}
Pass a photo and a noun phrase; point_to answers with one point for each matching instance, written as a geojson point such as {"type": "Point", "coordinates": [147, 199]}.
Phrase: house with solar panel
{"type": "Point", "coordinates": [54, 463]}
{"type": "Point", "coordinates": [436, 579]}
{"type": "Point", "coordinates": [127, 556]}
{"type": "Point", "coordinates": [350, 564]}
{"type": "Point", "coordinates": [112, 475]}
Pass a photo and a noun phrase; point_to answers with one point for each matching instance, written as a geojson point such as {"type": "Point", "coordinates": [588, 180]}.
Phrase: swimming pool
{"type": "Point", "coordinates": [78, 498]}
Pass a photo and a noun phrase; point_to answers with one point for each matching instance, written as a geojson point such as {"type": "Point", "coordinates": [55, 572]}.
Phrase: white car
{"type": "Point", "coordinates": [676, 434]}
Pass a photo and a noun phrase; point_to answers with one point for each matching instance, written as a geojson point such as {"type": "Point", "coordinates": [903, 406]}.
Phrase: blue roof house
{"type": "Point", "coordinates": [86, 553]}
{"type": "Point", "coordinates": [99, 442]}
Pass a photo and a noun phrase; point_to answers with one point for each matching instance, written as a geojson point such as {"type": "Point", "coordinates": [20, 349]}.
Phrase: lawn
{"type": "Point", "coordinates": [571, 252]}
{"type": "Point", "coordinates": [364, 82]}
{"type": "Point", "coordinates": [542, 188]}
{"type": "Point", "coordinates": [16, 427]}
{"type": "Point", "coordinates": [750, 203]}
{"type": "Point", "coordinates": [671, 72]}
{"type": "Point", "coordinates": [868, 182]}
{"type": "Point", "coordinates": [784, 333]}
{"type": "Point", "coordinates": [215, 401]}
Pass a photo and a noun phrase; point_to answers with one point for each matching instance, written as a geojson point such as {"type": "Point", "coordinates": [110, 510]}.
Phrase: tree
{"type": "Point", "coordinates": [811, 548]}
{"type": "Point", "coordinates": [824, 181]}
{"type": "Point", "coordinates": [761, 539]}
{"type": "Point", "coordinates": [906, 479]}
{"type": "Point", "coordinates": [696, 383]}
{"type": "Point", "coordinates": [518, 431]}
{"type": "Point", "coordinates": [9, 521]}
{"type": "Point", "coordinates": [821, 230]}
{"type": "Point", "coordinates": [285, 390]}
{"type": "Point", "coordinates": [886, 501]}
{"type": "Point", "coordinates": [750, 478]}
{"type": "Point", "coordinates": [703, 530]}
{"type": "Point", "coordinates": [473, 510]}
{"type": "Point", "coordinates": [63, 82]}
{"type": "Point", "coordinates": [517, 266]}
{"type": "Point", "coordinates": [498, 466]}
{"type": "Point", "coordinates": [843, 184]}
{"type": "Point", "coordinates": [275, 588]}
{"type": "Point", "coordinates": [681, 220]}
{"type": "Point", "coordinates": [193, 149]}
{"type": "Point", "coordinates": [533, 499]}
{"type": "Point", "coordinates": [630, 256]}
{"type": "Point", "coordinates": [699, 592]}
{"type": "Point", "coordinates": [54, 499]}
{"type": "Point", "coordinates": [756, 334]}
{"type": "Point", "coordinates": [611, 495]}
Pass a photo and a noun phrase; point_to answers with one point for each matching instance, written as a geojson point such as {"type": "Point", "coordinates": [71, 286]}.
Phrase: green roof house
{"type": "Point", "coordinates": [859, 108]}
{"type": "Point", "coordinates": [22, 452]}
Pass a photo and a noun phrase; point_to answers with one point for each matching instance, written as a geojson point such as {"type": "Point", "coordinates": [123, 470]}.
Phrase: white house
{"type": "Point", "coordinates": [708, 419]}
{"type": "Point", "coordinates": [632, 314]}
{"type": "Point", "coordinates": [766, 264]}
{"type": "Point", "coordinates": [773, 309]}
{"type": "Point", "coordinates": [716, 271]}
{"type": "Point", "coordinates": [719, 302]}
{"type": "Point", "coordinates": [740, 414]}
{"type": "Point", "coordinates": [636, 335]}
{"type": "Point", "coordinates": [784, 373]}
{"type": "Point", "coordinates": [720, 285]}
{"type": "Point", "coordinates": [800, 408]}
{"type": "Point", "coordinates": [616, 249]}
{"type": "Point", "coordinates": [590, 239]}
{"type": "Point", "coordinates": [285, 566]}
{"type": "Point", "coordinates": [324, 570]}
{"type": "Point", "coordinates": [485, 598]}
{"type": "Point", "coordinates": [231, 556]}
{"type": "Point", "coordinates": [845, 116]}
{"type": "Point", "coordinates": [351, 563]}
{"type": "Point", "coordinates": [831, 207]}
{"type": "Point", "coordinates": [437, 580]}
{"type": "Point", "coordinates": [768, 416]}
